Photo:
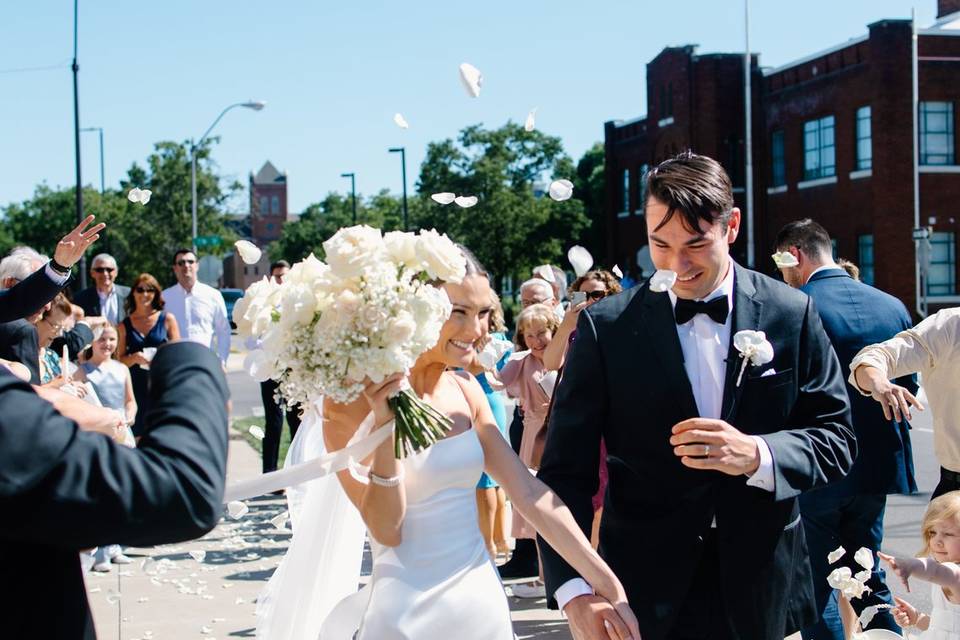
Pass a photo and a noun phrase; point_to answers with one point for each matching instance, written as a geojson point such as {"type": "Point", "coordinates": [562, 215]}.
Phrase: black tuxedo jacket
{"type": "Point", "coordinates": [63, 490]}
{"type": "Point", "coordinates": [625, 381]}
{"type": "Point", "coordinates": [18, 342]}
{"type": "Point", "coordinates": [28, 296]}
{"type": "Point", "coordinates": [89, 301]}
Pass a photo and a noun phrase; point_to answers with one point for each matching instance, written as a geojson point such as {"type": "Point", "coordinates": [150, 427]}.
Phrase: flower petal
{"type": "Point", "coordinates": [616, 271]}
{"type": "Point", "coordinates": [256, 432]}
{"type": "Point", "coordinates": [864, 558]}
{"type": "Point", "coordinates": [198, 554]}
{"type": "Point", "coordinates": [784, 259]}
{"type": "Point", "coordinates": [545, 272]}
{"type": "Point", "coordinates": [663, 280]}
{"type": "Point", "coordinates": [530, 124]}
{"type": "Point", "coordinates": [145, 196]}
{"type": "Point", "coordinates": [444, 197]}
{"type": "Point", "coordinates": [279, 521]}
{"type": "Point", "coordinates": [400, 121]}
{"type": "Point", "coordinates": [472, 79]}
{"type": "Point", "coordinates": [836, 554]}
{"type": "Point", "coordinates": [134, 195]}
{"type": "Point", "coordinates": [561, 190]}
{"type": "Point", "coordinates": [237, 509]}
{"type": "Point", "coordinates": [249, 252]}
{"type": "Point", "coordinates": [580, 259]}
{"type": "Point", "coordinates": [465, 201]}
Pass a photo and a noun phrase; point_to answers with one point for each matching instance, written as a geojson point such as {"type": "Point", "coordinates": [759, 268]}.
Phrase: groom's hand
{"type": "Point", "coordinates": [704, 443]}
{"type": "Point", "coordinates": [594, 618]}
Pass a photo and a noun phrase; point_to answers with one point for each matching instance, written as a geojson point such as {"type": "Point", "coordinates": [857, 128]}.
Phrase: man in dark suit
{"type": "Point", "coordinates": [849, 513]}
{"type": "Point", "coordinates": [62, 490]}
{"type": "Point", "coordinates": [106, 298]}
{"type": "Point", "coordinates": [707, 451]}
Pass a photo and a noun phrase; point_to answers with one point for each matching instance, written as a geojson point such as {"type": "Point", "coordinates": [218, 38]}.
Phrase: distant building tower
{"type": "Point", "coordinates": [268, 204]}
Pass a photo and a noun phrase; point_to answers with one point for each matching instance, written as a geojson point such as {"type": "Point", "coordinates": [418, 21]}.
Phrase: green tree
{"type": "Point", "coordinates": [589, 188]}
{"type": "Point", "coordinates": [511, 229]}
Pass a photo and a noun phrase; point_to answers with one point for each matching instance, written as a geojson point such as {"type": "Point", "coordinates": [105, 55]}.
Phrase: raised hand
{"type": "Point", "coordinates": [378, 395]}
{"type": "Point", "coordinates": [71, 247]}
{"type": "Point", "coordinates": [903, 567]}
{"type": "Point", "coordinates": [705, 443]}
{"type": "Point", "coordinates": [905, 613]}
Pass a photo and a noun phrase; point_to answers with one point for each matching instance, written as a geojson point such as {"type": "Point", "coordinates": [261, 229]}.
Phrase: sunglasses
{"type": "Point", "coordinates": [103, 269]}
{"type": "Point", "coordinates": [57, 328]}
{"type": "Point", "coordinates": [145, 290]}
{"type": "Point", "coordinates": [183, 263]}
{"type": "Point", "coordinates": [595, 295]}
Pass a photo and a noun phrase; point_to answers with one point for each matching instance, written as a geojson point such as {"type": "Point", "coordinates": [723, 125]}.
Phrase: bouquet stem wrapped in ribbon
{"type": "Point", "coordinates": [366, 313]}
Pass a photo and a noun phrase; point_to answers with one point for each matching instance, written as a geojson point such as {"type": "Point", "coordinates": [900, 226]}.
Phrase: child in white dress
{"type": "Point", "coordinates": [938, 565]}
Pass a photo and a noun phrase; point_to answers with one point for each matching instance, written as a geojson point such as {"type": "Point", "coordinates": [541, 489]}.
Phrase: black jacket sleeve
{"type": "Point", "coordinates": [27, 297]}
{"type": "Point", "coordinates": [76, 340]}
{"type": "Point", "coordinates": [64, 487]}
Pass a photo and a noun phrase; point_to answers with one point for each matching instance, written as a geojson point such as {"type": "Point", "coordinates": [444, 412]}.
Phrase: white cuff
{"type": "Point", "coordinates": [763, 477]}
{"type": "Point", "coordinates": [571, 589]}
{"type": "Point", "coordinates": [57, 278]}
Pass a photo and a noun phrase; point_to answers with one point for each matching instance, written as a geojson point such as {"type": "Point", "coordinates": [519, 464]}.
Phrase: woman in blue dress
{"type": "Point", "coordinates": [146, 327]}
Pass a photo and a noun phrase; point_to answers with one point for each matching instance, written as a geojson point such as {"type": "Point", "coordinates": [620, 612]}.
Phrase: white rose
{"type": "Point", "coordinates": [400, 329]}
{"type": "Point", "coordinates": [442, 259]}
{"type": "Point", "coordinates": [402, 247]}
{"type": "Point", "coordinates": [350, 249]}
{"type": "Point", "coordinates": [297, 306]}
{"type": "Point", "coordinates": [259, 365]}
{"type": "Point", "coordinates": [347, 302]}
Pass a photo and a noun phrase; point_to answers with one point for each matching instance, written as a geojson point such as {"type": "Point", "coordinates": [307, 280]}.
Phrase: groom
{"type": "Point", "coordinates": [700, 521]}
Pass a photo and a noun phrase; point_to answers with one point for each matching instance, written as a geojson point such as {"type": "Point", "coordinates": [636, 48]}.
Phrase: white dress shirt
{"type": "Point", "coordinates": [108, 306]}
{"type": "Point", "coordinates": [201, 314]}
{"type": "Point", "coordinates": [57, 278]}
{"type": "Point", "coordinates": [705, 345]}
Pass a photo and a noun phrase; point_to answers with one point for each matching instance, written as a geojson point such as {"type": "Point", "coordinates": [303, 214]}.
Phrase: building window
{"type": "Point", "coordinates": [865, 245]}
{"type": "Point", "coordinates": [642, 177]}
{"type": "Point", "coordinates": [275, 205]}
{"type": "Point", "coordinates": [941, 278]}
{"type": "Point", "coordinates": [778, 161]}
{"type": "Point", "coordinates": [936, 133]}
{"type": "Point", "coordinates": [864, 139]}
{"type": "Point", "coordinates": [264, 205]}
{"type": "Point", "coordinates": [626, 190]}
{"type": "Point", "coordinates": [818, 149]}
{"type": "Point", "coordinates": [245, 271]}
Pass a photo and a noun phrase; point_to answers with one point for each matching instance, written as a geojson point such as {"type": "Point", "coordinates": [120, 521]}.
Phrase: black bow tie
{"type": "Point", "coordinates": [717, 309]}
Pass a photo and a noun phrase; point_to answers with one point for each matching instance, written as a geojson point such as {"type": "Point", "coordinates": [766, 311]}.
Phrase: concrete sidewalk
{"type": "Point", "coordinates": [207, 588]}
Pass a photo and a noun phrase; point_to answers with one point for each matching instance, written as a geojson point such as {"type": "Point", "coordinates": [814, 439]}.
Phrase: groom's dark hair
{"type": "Point", "coordinates": [694, 186]}
{"type": "Point", "coordinates": [808, 236]}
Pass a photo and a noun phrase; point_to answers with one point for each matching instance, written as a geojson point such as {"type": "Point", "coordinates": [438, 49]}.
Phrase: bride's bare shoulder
{"type": "Point", "coordinates": [472, 390]}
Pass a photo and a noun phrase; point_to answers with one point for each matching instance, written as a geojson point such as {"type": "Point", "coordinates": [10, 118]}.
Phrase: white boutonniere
{"type": "Point", "coordinates": [784, 259]}
{"type": "Point", "coordinates": [754, 349]}
{"type": "Point", "coordinates": [663, 280]}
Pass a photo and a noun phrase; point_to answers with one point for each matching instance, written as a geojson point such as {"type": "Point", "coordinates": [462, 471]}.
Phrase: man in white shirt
{"type": "Point", "coordinates": [106, 298]}
{"type": "Point", "coordinates": [199, 309]}
{"type": "Point", "coordinates": [708, 448]}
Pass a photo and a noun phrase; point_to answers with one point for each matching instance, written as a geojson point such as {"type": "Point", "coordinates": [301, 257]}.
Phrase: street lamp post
{"type": "Point", "coordinates": [100, 131]}
{"type": "Point", "coordinates": [403, 168]}
{"type": "Point", "coordinates": [353, 192]}
{"type": "Point", "coordinates": [76, 140]}
{"type": "Point", "coordinates": [256, 105]}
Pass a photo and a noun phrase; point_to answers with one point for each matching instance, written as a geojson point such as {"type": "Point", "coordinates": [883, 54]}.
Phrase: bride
{"type": "Point", "coordinates": [432, 577]}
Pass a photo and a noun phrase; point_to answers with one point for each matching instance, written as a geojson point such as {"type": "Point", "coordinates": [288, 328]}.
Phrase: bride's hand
{"type": "Point", "coordinates": [378, 395]}
{"type": "Point", "coordinates": [629, 619]}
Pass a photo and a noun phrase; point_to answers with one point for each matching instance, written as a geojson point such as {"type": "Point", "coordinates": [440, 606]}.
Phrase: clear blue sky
{"type": "Point", "coordinates": [333, 75]}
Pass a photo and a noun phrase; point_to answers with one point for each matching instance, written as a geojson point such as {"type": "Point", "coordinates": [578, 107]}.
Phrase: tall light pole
{"type": "Point", "coordinates": [256, 105]}
{"type": "Point", "coordinates": [403, 163]}
{"type": "Point", "coordinates": [748, 136]}
{"type": "Point", "coordinates": [100, 130]}
{"type": "Point", "coordinates": [76, 141]}
{"type": "Point", "coordinates": [353, 192]}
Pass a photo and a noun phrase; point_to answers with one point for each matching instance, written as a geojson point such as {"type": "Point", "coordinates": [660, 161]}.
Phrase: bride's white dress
{"type": "Point", "coordinates": [439, 582]}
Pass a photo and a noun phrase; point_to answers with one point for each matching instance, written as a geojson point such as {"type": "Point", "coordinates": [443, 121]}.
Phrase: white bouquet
{"type": "Point", "coordinates": [367, 313]}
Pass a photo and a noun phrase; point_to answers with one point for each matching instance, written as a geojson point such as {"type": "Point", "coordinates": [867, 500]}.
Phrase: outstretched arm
{"type": "Point", "coordinates": [945, 574]}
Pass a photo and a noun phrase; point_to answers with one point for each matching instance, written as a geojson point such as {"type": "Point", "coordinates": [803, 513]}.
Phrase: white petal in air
{"type": "Point", "coordinates": [279, 521]}
{"type": "Point", "coordinates": [237, 509]}
{"type": "Point", "coordinates": [580, 259]}
{"type": "Point", "coordinates": [472, 79]}
{"type": "Point", "coordinates": [866, 617]}
{"type": "Point", "coordinates": [663, 280]}
{"type": "Point", "coordinates": [561, 190]}
{"type": "Point", "coordinates": [835, 555]}
{"type": "Point", "coordinates": [784, 259]}
{"type": "Point", "coordinates": [531, 122]}
{"type": "Point", "coordinates": [545, 272]}
{"type": "Point", "coordinates": [257, 432]}
{"type": "Point", "coordinates": [444, 197]}
{"type": "Point", "coordinates": [616, 271]}
{"type": "Point", "coordinates": [249, 252]}
{"type": "Point", "coordinates": [198, 554]}
{"type": "Point", "coordinates": [465, 201]}
{"type": "Point", "coordinates": [145, 196]}
{"type": "Point", "coordinates": [134, 195]}
{"type": "Point", "coordinates": [400, 121]}
{"type": "Point", "coordinates": [864, 558]}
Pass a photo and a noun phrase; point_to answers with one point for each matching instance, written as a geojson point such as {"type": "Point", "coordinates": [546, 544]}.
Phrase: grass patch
{"type": "Point", "coordinates": [242, 426]}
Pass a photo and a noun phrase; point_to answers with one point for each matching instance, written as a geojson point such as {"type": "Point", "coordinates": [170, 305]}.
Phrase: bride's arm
{"type": "Point", "coordinates": [381, 507]}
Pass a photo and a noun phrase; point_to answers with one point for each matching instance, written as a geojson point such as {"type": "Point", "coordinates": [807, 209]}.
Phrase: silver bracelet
{"type": "Point", "coordinates": [392, 481]}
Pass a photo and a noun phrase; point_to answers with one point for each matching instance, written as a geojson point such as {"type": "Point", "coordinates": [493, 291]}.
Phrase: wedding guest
{"type": "Point", "coordinates": [62, 489]}
{"type": "Point", "coordinates": [18, 338]}
{"type": "Point", "coordinates": [708, 447]}
{"type": "Point", "coordinates": [938, 565]}
{"type": "Point", "coordinates": [200, 310]}
{"type": "Point", "coordinates": [525, 378]}
{"type": "Point", "coordinates": [274, 411]}
{"type": "Point", "coordinates": [557, 279]}
{"type": "Point", "coordinates": [930, 349]}
{"type": "Point", "coordinates": [106, 297]}
{"type": "Point", "coordinates": [849, 512]}
{"type": "Point", "coordinates": [146, 326]}
{"type": "Point", "coordinates": [537, 291]}
{"type": "Point", "coordinates": [852, 269]}
{"type": "Point", "coordinates": [51, 325]}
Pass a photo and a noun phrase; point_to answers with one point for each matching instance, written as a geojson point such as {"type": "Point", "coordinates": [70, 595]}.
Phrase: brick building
{"type": "Point", "coordinates": [832, 140]}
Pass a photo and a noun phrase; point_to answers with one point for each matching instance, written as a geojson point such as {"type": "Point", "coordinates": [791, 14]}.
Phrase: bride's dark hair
{"type": "Point", "coordinates": [473, 265]}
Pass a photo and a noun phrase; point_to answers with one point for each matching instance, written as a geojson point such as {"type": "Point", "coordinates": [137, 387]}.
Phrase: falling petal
{"type": "Point", "coordinates": [206, 630]}
{"type": "Point", "coordinates": [444, 197]}
{"type": "Point", "coordinates": [145, 196]}
{"type": "Point", "coordinates": [561, 190]}
{"type": "Point", "coordinates": [784, 259]}
{"type": "Point", "coordinates": [530, 123]}
{"type": "Point", "coordinates": [472, 79]}
{"type": "Point", "coordinates": [198, 554]}
{"type": "Point", "coordinates": [239, 600]}
{"type": "Point", "coordinates": [134, 195]}
{"type": "Point", "coordinates": [545, 272]}
{"type": "Point", "coordinates": [226, 585]}
{"type": "Point", "coordinates": [839, 577]}
{"type": "Point", "coordinates": [400, 121]}
{"type": "Point", "coordinates": [836, 554]}
{"type": "Point", "coordinates": [249, 252]}
{"type": "Point", "coordinates": [864, 558]}
{"type": "Point", "coordinates": [257, 432]}
{"type": "Point", "coordinates": [580, 259]}
{"type": "Point", "coordinates": [237, 509]}
{"type": "Point", "coordinates": [279, 521]}
{"type": "Point", "coordinates": [465, 201]}
{"type": "Point", "coordinates": [862, 576]}
{"type": "Point", "coordinates": [616, 271]}
{"type": "Point", "coordinates": [663, 280]}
